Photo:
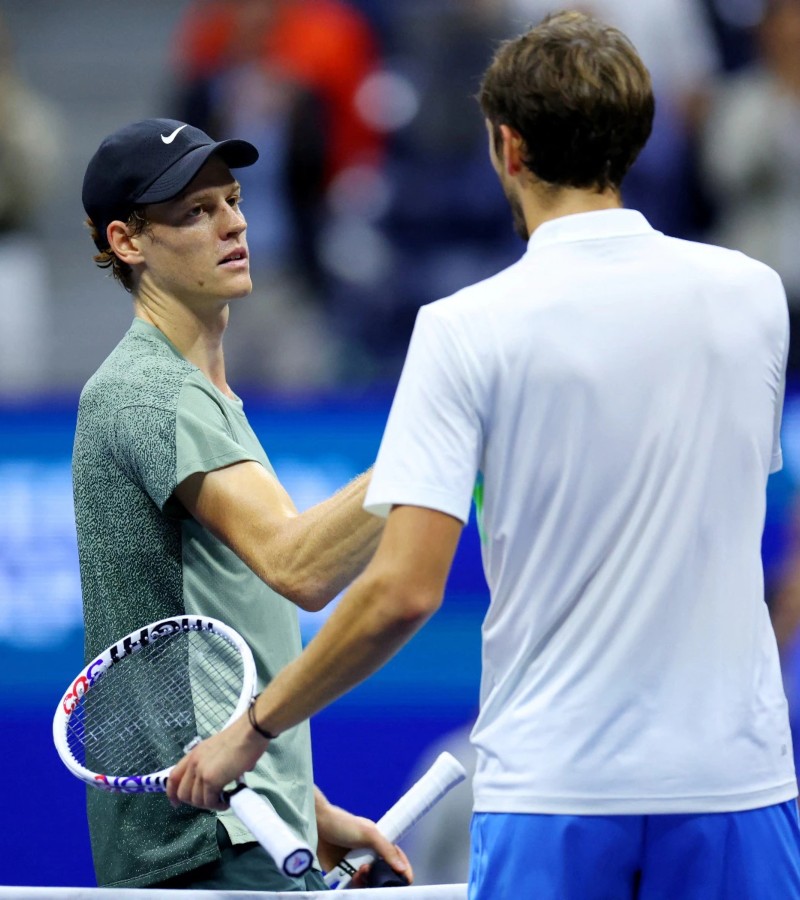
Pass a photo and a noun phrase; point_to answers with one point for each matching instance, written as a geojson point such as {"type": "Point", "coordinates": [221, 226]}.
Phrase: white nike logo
{"type": "Point", "coordinates": [171, 137]}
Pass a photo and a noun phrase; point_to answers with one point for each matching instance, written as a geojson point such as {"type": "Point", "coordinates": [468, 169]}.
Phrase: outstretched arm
{"type": "Point", "coordinates": [308, 557]}
{"type": "Point", "coordinates": [399, 591]}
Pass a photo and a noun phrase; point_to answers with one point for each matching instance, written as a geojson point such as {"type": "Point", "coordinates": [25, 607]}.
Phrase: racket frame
{"type": "Point", "coordinates": [91, 674]}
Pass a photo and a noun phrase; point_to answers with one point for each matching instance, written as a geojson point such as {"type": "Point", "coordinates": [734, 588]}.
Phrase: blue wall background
{"type": "Point", "coordinates": [365, 745]}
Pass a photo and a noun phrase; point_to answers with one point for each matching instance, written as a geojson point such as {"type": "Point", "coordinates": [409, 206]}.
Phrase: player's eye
{"type": "Point", "coordinates": [235, 201]}
{"type": "Point", "coordinates": [194, 212]}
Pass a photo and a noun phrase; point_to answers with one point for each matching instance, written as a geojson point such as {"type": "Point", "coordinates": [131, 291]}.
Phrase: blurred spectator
{"type": "Point", "coordinates": [752, 156]}
{"type": "Point", "coordinates": [283, 74]}
{"type": "Point", "coordinates": [445, 222]}
{"type": "Point", "coordinates": [323, 46]}
{"type": "Point", "coordinates": [31, 146]}
{"type": "Point", "coordinates": [679, 47]}
{"type": "Point", "coordinates": [734, 21]}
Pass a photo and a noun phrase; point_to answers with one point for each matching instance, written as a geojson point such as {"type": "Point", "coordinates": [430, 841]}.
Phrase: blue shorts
{"type": "Point", "coordinates": [750, 855]}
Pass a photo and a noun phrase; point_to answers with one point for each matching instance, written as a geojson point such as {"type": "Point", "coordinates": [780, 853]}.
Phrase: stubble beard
{"type": "Point", "coordinates": [518, 216]}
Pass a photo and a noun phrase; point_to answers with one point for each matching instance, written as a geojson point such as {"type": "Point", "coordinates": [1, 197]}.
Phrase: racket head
{"type": "Point", "coordinates": [125, 720]}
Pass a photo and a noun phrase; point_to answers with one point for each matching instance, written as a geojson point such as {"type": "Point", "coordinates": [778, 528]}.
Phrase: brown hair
{"type": "Point", "coordinates": [578, 94]}
{"type": "Point", "coordinates": [106, 258]}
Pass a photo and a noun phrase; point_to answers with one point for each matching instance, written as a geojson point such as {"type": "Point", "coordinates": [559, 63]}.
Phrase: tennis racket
{"type": "Point", "coordinates": [131, 714]}
{"type": "Point", "coordinates": [445, 773]}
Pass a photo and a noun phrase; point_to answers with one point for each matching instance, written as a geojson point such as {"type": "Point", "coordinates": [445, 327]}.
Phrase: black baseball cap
{"type": "Point", "coordinates": [149, 162]}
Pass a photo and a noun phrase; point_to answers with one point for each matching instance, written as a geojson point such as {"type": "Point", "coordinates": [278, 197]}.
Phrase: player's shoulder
{"type": "Point", "coordinates": [468, 304]}
{"type": "Point", "coordinates": [726, 263]}
{"type": "Point", "coordinates": [140, 371]}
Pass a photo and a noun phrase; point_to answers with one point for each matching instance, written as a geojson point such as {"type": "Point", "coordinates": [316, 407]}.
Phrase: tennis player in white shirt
{"type": "Point", "coordinates": [616, 397]}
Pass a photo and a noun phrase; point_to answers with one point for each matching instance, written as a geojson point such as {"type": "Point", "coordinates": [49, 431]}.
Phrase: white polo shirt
{"type": "Point", "coordinates": [617, 393]}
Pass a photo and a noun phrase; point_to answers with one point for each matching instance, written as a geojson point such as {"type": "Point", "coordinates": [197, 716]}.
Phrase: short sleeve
{"type": "Point", "coordinates": [205, 438]}
{"type": "Point", "coordinates": [430, 452]}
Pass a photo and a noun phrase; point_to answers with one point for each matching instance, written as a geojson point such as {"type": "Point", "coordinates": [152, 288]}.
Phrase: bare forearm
{"type": "Point", "coordinates": [328, 545]}
{"type": "Point", "coordinates": [308, 557]}
{"type": "Point", "coordinates": [371, 624]}
{"type": "Point", "coordinates": [401, 588]}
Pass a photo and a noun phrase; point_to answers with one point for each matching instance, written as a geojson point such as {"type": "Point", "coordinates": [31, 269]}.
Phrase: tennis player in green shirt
{"type": "Point", "coordinates": [178, 509]}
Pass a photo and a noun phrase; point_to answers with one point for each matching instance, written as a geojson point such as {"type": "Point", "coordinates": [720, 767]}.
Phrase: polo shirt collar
{"type": "Point", "coordinates": [590, 226]}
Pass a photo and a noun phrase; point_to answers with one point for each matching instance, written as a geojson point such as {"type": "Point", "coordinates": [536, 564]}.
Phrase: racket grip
{"type": "Point", "coordinates": [292, 855]}
{"type": "Point", "coordinates": [445, 773]}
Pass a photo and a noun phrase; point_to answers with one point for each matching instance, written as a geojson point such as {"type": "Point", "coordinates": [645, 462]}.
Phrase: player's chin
{"type": "Point", "coordinates": [238, 287]}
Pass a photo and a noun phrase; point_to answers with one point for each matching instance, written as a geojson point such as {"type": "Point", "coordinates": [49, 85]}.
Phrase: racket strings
{"type": "Point", "coordinates": [138, 717]}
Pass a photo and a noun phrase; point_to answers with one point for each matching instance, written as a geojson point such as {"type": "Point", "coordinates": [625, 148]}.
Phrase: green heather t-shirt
{"type": "Point", "coordinates": [148, 419]}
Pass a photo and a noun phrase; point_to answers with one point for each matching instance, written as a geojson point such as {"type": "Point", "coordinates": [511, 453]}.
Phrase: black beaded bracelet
{"type": "Point", "coordinates": [251, 717]}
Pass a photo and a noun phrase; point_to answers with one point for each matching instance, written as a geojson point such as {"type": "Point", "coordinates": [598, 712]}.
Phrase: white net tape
{"type": "Point", "coordinates": [422, 892]}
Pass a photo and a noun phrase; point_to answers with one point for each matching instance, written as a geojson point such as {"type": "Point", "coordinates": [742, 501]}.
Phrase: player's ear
{"type": "Point", "coordinates": [512, 149]}
{"type": "Point", "coordinates": [123, 244]}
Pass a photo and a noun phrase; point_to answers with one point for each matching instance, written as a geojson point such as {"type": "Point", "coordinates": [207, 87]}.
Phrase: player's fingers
{"type": "Point", "coordinates": [204, 790]}
{"type": "Point", "coordinates": [401, 863]}
{"type": "Point", "coordinates": [191, 784]}
{"type": "Point", "coordinates": [198, 794]}
{"type": "Point", "coordinates": [185, 786]}
{"type": "Point", "coordinates": [174, 782]}
{"type": "Point", "coordinates": [203, 794]}
{"type": "Point", "coordinates": [214, 797]}
{"type": "Point", "coordinates": [390, 852]}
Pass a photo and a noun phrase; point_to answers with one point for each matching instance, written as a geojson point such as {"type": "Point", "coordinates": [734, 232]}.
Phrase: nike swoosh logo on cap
{"type": "Point", "coordinates": [168, 139]}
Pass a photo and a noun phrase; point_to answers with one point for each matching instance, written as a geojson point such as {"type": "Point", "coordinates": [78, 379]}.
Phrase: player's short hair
{"type": "Point", "coordinates": [106, 259]}
{"type": "Point", "coordinates": [580, 97]}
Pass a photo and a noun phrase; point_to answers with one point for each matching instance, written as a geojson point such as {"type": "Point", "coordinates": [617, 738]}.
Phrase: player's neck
{"type": "Point", "coordinates": [542, 204]}
{"type": "Point", "coordinates": [196, 333]}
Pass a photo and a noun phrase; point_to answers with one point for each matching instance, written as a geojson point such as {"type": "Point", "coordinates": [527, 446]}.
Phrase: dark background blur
{"type": "Point", "coordinates": [373, 196]}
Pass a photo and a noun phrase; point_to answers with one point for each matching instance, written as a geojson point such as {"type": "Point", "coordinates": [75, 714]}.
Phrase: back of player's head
{"type": "Point", "coordinates": [578, 94]}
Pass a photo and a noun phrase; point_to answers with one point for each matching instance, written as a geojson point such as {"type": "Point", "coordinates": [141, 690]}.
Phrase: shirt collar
{"type": "Point", "coordinates": [590, 226]}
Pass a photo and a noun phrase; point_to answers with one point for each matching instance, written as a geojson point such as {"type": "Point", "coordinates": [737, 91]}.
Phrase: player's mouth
{"type": "Point", "coordinates": [235, 259]}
